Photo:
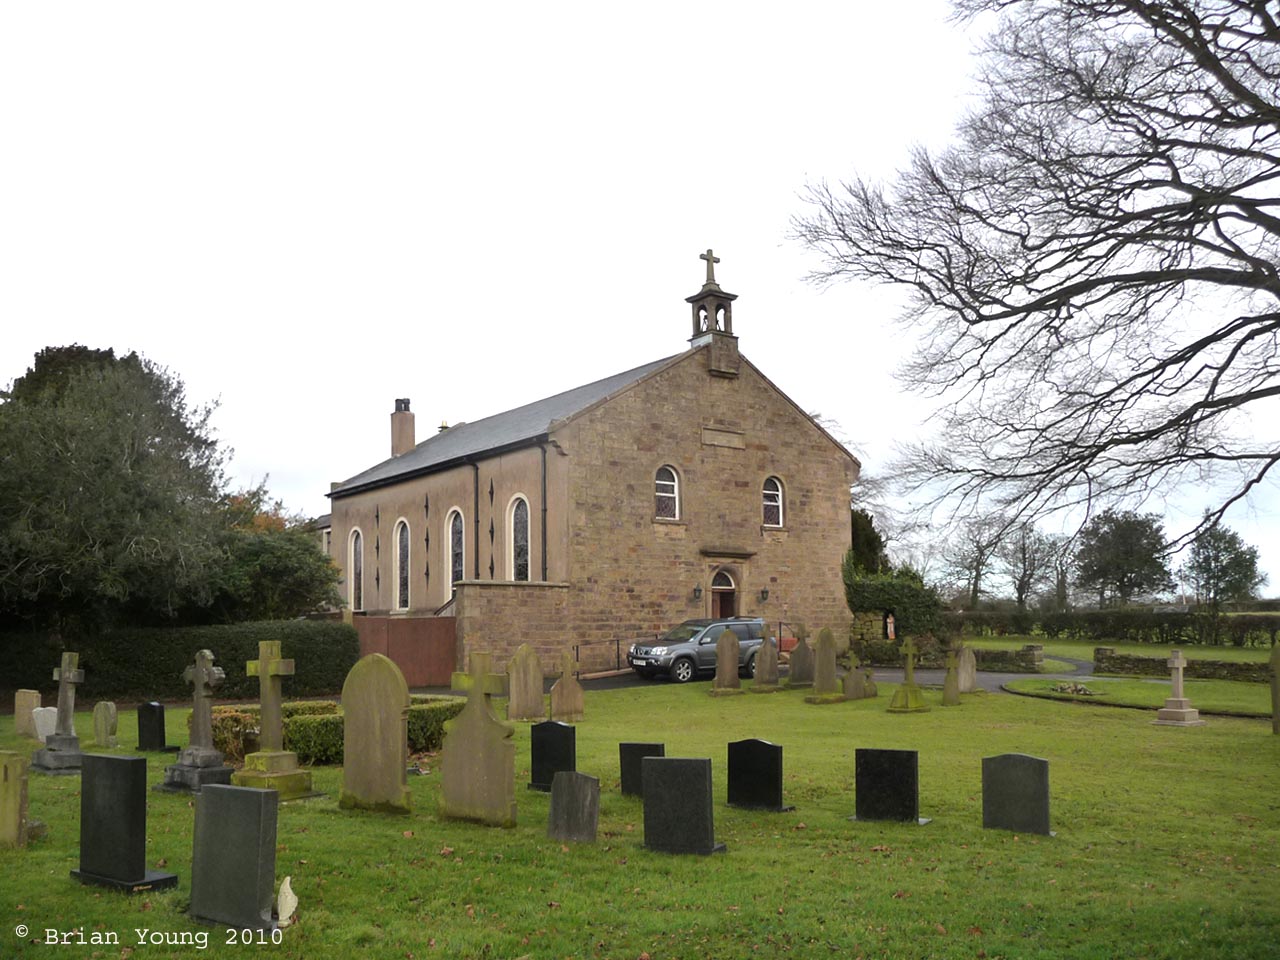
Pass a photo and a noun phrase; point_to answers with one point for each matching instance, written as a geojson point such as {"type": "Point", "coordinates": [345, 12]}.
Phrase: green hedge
{"type": "Point", "coordinates": [1106, 660]}
{"type": "Point", "coordinates": [147, 664]}
{"type": "Point", "coordinates": [916, 608]}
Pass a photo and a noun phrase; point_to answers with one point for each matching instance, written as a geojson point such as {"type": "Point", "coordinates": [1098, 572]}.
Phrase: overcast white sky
{"type": "Point", "coordinates": [306, 210]}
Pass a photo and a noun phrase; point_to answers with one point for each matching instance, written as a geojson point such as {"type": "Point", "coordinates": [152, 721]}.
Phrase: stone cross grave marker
{"type": "Point", "coordinates": [61, 753]}
{"type": "Point", "coordinates": [526, 681]}
{"type": "Point", "coordinates": [567, 703]}
{"type": "Point", "coordinates": [1177, 710]}
{"type": "Point", "coordinates": [233, 857]}
{"type": "Point", "coordinates": [855, 686]}
{"type": "Point", "coordinates": [951, 683]}
{"type": "Point", "coordinates": [678, 807]}
{"type": "Point", "coordinates": [728, 652]}
{"type": "Point", "coordinates": [272, 767]}
{"type": "Point", "coordinates": [375, 737]}
{"type": "Point", "coordinates": [113, 826]}
{"type": "Point", "coordinates": [826, 688]}
{"type": "Point", "coordinates": [553, 746]}
{"type": "Point", "coordinates": [151, 732]}
{"type": "Point", "coordinates": [755, 776]}
{"type": "Point", "coordinates": [478, 757]}
{"type": "Point", "coordinates": [887, 785]}
{"type": "Point", "coordinates": [24, 701]}
{"type": "Point", "coordinates": [630, 760]}
{"type": "Point", "coordinates": [908, 698]}
{"type": "Point", "coordinates": [104, 724]}
{"type": "Point", "coordinates": [199, 763]}
{"type": "Point", "coordinates": [801, 667]}
{"type": "Point", "coordinates": [575, 808]}
{"type": "Point", "coordinates": [765, 679]}
{"type": "Point", "coordinates": [1015, 793]}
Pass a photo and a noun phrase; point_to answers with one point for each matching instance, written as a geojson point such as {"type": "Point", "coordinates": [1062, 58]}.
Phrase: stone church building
{"type": "Point", "coordinates": [687, 487]}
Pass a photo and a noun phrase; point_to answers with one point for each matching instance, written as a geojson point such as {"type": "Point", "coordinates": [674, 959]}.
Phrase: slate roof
{"type": "Point", "coordinates": [502, 430]}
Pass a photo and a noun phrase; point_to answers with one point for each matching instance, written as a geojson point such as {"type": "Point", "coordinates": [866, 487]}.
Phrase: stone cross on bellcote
{"type": "Point", "coordinates": [68, 675]}
{"type": "Point", "coordinates": [712, 260]}
{"type": "Point", "coordinates": [270, 668]}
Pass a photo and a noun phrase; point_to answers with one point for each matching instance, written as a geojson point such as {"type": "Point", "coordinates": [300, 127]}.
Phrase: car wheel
{"type": "Point", "coordinates": [682, 670]}
{"type": "Point", "coordinates": [751, 666]}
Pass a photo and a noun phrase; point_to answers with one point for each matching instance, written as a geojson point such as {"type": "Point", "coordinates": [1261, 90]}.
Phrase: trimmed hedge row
{"type": "Point", "coordinates": [1106, 660]}
{"type": "Point", "coordinates": [1123, 625]}
{"type": "Point", "coordinates": [147, 663]}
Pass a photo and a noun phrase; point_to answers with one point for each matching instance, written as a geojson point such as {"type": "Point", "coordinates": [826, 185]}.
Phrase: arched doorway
{"type": "Point", "coordinates": [724, 596]}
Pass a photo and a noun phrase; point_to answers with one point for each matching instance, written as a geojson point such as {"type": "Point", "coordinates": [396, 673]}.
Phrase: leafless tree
{"type": "Point", "coordinates": [971, 552]}
{"type": "Point", "coordinates": [1026, 556]}
{"type": "Point", "coordinates": [1092, 267]}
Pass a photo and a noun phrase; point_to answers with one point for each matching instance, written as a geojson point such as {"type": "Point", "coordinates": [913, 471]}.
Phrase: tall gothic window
{"type": "Point", "coordinates": [355, 565]}
{"type": "Point", "coordinates": [666, 494]}
{"type": "Point", "coordinates": [456, 559]}
{"type": "Point", "coordinates": [773, 502]}
{"type": "Point", "coordinates": [402, 565]}
{"type": "Point", "coordinates": [519, 527]}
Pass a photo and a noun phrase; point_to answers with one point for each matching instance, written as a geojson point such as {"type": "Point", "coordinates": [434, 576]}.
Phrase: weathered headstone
{"type": "Point", "coordinates": [951, 682]}
{"type": "Point", "coordinates": [199, 763]}
{"type": "Point", "coordinates": [45, 721]}
{"type": "Point", "coordinates": [104, 724]}
{"type": "Point", "coordinates": [869, 688]}
{"type": "Point", "coordinates": [113, 826]}
{"type": "Point", "coordinates": [375, 737]}
{"type": "Point", "coordinates": [728, 652]}
{"type": "Point", "coordinates": [13, 799]}
{"type": "Point", "coordinates": [908, 698]}
{"type": "Point", "coordinates": [1015, 793]}
{"type": "Point", "coordinates": [567, 703]}
{"type": "Point", "coordinates": [755, 776]}
{"type": "Point", "coordinates": [575, 808]}
{"type": "Point", "coordinates": [677, 806]}
{"type": "Point", "coordinates": [855, 681]}
{"type": "Point", "coordinates": [1275, 689]}
{"type": "Point", "coordinates": [967, 670]}
{"type": "Point", "coordinates": [151, 733]}
{"type": "Point", "coordinates": [272, 767]}
{"type": "Point", "coordinates": [233, 857]}
{"type": "Point", "coordinates": [61, 753]}
{"type": "Point", "coordinates": [525, 679]}
{"type": "Point", "coordinates": [24, 701]}
{"type": "Point", "coordinates": [552, 748]}
{"type": "Point", "coordinates": [1177, 710]}
{"type": "Point", "coordinates": [826, 686]}
{"type": "Point", "coordinates": [630, 758]}
{"type": "Point", "coordinates": [800, 673]}
{"type": "Point", "coordinates": [477, 765]}
{"type": "Point", "coordinates": [766, 668]}
{"type": "Point", "coordinates": [887, 785]}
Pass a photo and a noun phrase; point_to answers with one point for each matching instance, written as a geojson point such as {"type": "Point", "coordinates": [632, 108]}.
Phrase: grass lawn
{"type": "Point", "coordinates": [1217, 696]}
{"type": "Point", "coordinates": [1083, 649]}
{"type": "Point", "coordinates": [1167, 846]}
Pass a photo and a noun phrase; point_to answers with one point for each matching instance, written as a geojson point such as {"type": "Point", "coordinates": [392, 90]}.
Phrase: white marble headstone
{"type": "Point", "coordinates": [45, 720]}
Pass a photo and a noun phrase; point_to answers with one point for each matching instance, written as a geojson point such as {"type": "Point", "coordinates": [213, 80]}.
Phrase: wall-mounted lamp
{"type": "Point", "coordinates": [764, 594]}
{"type": "Point", "coordinates": [697, 592]}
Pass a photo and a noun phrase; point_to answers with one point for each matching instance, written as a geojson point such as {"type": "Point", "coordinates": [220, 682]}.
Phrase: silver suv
{"type": "Point", "coordinates": [689, 649]}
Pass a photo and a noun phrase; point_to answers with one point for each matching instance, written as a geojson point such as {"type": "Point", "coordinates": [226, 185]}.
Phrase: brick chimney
{"type": "Point", "coordinates": [402, 434]}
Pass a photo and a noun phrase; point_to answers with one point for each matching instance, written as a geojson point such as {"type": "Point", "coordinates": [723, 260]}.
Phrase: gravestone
{"type": "Point", "coordinates": [755, 776]}
{"type": "Point", "coordinates": [677, 806]}
{"type": "Point", "coordinates": [869, 688]}
{"type": "Point", "coordinates": [151, 733]}
{"type": "Point", "coordinates": [271, 766]}
{"type": "Point", "coordinates": [567, 703]}
{"type": "Point", "coordinates": [24, 701]}
{"type": "Point", "coordinates": [1275, 689]}
{"type": "Point", "coordinates": [575, 808]}
{"type": "Point", "coordinates": [199, 763]}
{"type": "Point", "coordinates": [887, 785]}
{"type": "Point", "coordinates": [801, 671]}
{"type": "Point", "coordinates": [951, 683]}
{"type": "Point", "coordinates": [478, 757]}
{"type": "Point", "coordinates": [61, 753]}
{"type": "Point", "coordinates": [375, 737]}
{"type": "Point", "coordinates": [525, 679]}
{"type": "Point", "coordinates": [552, 748]}
{"type": "Point", "coordinates": [855, 681]}
{"type": "Point", "coordinates": [908, 698]}
{"type": "Point", "coordinates": [728, 652]}
{"type": "Point", "coordinates": [45, 721]}
{"type": "Point", "coordinates": [113, 826]}
{"type": "Point", "coordinates": [233, 857]}
{"type": "Point", "coordinates": [967, 670]}
{"type": "Point", "coordinates": [1015, 793]}
{"type": "Point", "coordinates": [630, 759]}
{"type": "Point", "coordinates": [826, 687]}
{"type": "Point", "coordinates": [1177, 710]}
{"type": "Point", "coordinates": [13, 799]}
{"type": "Point", "coordinates": [766, 673]}
{"type": "Point", "coordinates": [104, 724]}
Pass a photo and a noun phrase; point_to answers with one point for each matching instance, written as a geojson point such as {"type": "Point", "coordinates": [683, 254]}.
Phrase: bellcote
{"type": "Point", "coordinates": [713, 322]}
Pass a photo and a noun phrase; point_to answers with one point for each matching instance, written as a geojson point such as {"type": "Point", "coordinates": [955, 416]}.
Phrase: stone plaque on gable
{"type": "Point", "coordinates": [755, 776]}
{"type": "Point", "coordinates": [801, 669]}
{"type": "Point", "coordinates": [630, 757]}
{"type": "Point", "coordinates": [375, 737]}
{"type": "Point", "coordinates": [567, 702]}
{"type": "Point", "coordinates": [887, 785]}
{"type": "Point", "coordinates": [24, 701]}
{"type": "Point", "coordinates": [728, 652]}
{"type": "Point", "coordinates": [525, 678]}
{"type": "Point", "coordinates": [61, 753]}
{"type": "Point", "coordinates": [233, 857]}
{"type": "Point", "coordinates": [678, 807]}
{"type": "Point", "coordinates": [113, 826]}
{"type": "Point", "coordinates": [478, 758]}
{"type": "Point", "coordinates": [552, 748]}
{"type": "Point", "coordinates": [104, 724]}
{"type": "Point", "coordinates": [575, 808]}
{"type": "Point", "coordinates": [766, 667]}
{"type": "Point", "coordinates": [1015, 793]}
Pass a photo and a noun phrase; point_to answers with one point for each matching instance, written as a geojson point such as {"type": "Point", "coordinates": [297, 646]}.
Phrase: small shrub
{"type": "Point", "coordinates": [316, 738]}
{"type": "Point", "coordinates": [233, 731]}
{"type": "Point", "coordinates": [426, 722]}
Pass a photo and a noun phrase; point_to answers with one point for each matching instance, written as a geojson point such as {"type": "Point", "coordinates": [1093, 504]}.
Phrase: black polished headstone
{"type": "Point", "coordinates": [677, 806]}
{"type": "Point", "coordinates": [151, 735]}
{"type": "Point", "coordinates": [755, 775]}
{"type": "Point", "coordinates": [552, 748]}
{"type": "Point", "coordinates": [629, 757]}
{"type": "Point", "coordinates": [113, 825]}
{"type": "Point", "coordinates": [575, 807]}
{"type": "Point", "coordinates": [1015, 793]}
{"type": "Point", "coordinates": [233, 859]}
{"type": "Point", "coordinates": [887, 785]}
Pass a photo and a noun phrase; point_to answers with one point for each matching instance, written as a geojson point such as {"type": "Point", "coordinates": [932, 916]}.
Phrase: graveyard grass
{"type": "Point", "coordinates": [1167, 846]}
{"type": "Point", "coordinates": [1083, 649]}
{"type": "Point", "coordinates": [1217, 696]}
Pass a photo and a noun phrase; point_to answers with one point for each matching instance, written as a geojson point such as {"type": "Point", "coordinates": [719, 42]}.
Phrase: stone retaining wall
{"type": "Point", "coordinates": [1106, 660]}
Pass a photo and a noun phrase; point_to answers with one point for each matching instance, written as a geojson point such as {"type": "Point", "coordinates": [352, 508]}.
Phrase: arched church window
{"type": "Point", "coordinates": [772, 497]}
{"type": "Point", "coordinates": [519, 527]}
{"type": "Point", "coordinates": [355, 567]}
{"type": "Point", "coordinates": [402, 565]}
{"type": "Point", "coordinates": [456, 559]}
{"type": "Point", "coordinates": [666, 494]}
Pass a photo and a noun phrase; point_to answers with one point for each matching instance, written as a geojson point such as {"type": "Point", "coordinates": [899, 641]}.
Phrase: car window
{"type": "Point", "coordinates": [713, 633]}
{"type": "Point", "coordinates": [684, 631]}
{"type": "Point", "coordinates": [740, 630]}
{"type": "Point", "coordinates": [755, 631]}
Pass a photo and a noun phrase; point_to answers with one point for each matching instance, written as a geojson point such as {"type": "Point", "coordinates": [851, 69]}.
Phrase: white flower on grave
{"type": "Point", "coordinates": [286, 903]}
